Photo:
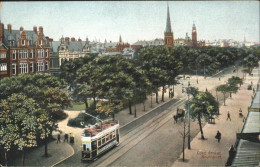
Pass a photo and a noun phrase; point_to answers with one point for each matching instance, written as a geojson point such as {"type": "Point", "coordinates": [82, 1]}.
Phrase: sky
{"type": "Point", "coordinates": [136, 20]}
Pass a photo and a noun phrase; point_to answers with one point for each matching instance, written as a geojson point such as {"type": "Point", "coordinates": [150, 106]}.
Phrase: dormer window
{"type": "Point", "coordinates": [23, 42]}
{"type": "Point", "coordinates": [40, 42]}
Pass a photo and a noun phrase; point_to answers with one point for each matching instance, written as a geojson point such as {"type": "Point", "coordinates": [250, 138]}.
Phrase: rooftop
{"type": "Point", "coordinates": [97, 128]}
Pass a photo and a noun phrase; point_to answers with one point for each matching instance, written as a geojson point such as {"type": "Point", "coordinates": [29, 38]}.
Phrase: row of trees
{"type": "Point", "coordinates": [213, 59]}
{"type": "Point", "coordinates": [29, 108]}
{"type": "Point", "coordinates": [119, 80]}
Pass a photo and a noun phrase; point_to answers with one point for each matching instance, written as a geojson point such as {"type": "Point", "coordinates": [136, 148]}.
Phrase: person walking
{"type": "Point", "coordinates": [218, 136]}
{"type": "Point", "coordinates": [58, 138]}
{"type": "Point", "coordinates": [66, 137]}
{"type": "Point", "coordinates": [228, 116]}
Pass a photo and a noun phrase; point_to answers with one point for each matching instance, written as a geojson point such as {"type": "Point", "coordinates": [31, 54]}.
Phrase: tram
{"type": "Point", "coordinates": [97, 139]}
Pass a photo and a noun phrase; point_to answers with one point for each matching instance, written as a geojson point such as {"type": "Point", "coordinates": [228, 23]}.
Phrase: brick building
{"type": "Point", "coordinates": [116, 46]}
{"type": "Point", "coordinates": [23, 52]}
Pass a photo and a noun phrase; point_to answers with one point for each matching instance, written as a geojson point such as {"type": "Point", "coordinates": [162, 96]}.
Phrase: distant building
{"type": "Point", "coordinates": [23, 51]}
{"type": "Point", "coordinates": [67, 49]}
{"type": "Point", "coordinates": [194, 36]}
{"type": "Point", "coordinates": [140, 44]}
{"type": "Point", "coordinates": [116, 46]}
{"type": "Point", "coordinates": [168, 34]}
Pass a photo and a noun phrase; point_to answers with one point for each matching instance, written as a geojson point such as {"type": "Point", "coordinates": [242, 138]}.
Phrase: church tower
{"type": "Point", "coordinates": [168, 34]}
{"type": "Point", "coordinates": [194, 35]}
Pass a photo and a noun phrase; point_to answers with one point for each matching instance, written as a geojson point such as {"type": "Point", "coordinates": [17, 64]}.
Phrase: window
{"type": "Point", "coordinates": [46, 66]}
{"type": "Point", "coordinates": [103, 140]}
{"type": "Point", "coordinates": [46, 53]}
{"type": "Point", "coordinates": [3, 55]}
{"type": "Point", "coordinates": [31, 67]}
{"type": "Point", "coordinates": [40, 42]}
{"type": "Point", "coordinates": [99, 142]}
{"type": "Point", "coordinates": [23, 68]}
{"type": "Point", "coordinates": [3, 67]}
{"type": "Point", "coordinates": [14, 54]}
{"type": "Point", "coordinates": [84, 147]}
{"type": "Point", "coordinates": [41, 53]}
{"type": "Point", "coordinates": [14, 69]}
{"type": "Point", "coordinates": [23, 54]}
{"type": "Point", "coordinates": [40, 66]}
{"type": "Point", "coordinates": [31, 54]}
{"type": "Point", "coordinates": [23, 42]}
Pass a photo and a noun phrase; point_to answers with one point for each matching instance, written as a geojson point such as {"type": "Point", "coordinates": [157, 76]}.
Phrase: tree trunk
{"type": "Point", "coordinates": [156, 97]}
{"type": "Point", "coordinates": [144, 105]}
{"type": "Point", "coordinates": [86, 103]}
{"type": "Point", "coordinates": [46, 146]}
{"type": "Point", "coordinates": [224, 99]}
{"type": "Point", "coordinates": [201, 130]}
{"type": "Point", "coordinates": [135, 110]}
{"type": "Point", "coordinates": [163, 93]}
{"type": "Point", "coordinates": [113, 116]}
{"type": "Point", "coordinates": [151, 100]}
{"type": "Point", "coordinates": [94, 99]}
{"type": "Point", "coordinates": [6, 158]}
{"type": "Point", "coordinates": [130, 107]}
{"type": "Point", "coordinates": [172, 91]}
{"type": "Point", "coordinates": [169, 91]}
{"type": "Point", "coordinates": [23, 157]}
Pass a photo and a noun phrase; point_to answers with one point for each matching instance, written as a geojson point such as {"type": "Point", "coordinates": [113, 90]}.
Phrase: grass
{"type": "Point", "coordinates": [77, 106]}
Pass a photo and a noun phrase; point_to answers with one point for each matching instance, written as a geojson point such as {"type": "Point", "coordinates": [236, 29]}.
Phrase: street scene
{"type": "Point", "coordinates": [157, 98]}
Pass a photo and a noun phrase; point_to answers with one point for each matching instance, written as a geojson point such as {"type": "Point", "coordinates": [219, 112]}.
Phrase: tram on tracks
{"type": "Point", "coordinates": [99, 138]}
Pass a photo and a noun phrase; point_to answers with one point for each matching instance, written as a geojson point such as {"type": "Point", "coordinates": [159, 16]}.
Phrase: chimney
{"type": "Point", "coordinates": [72, 39]}
{"type": "Point", "coordinates": [40, 29]}
{"type": "Point", "coordinates": [35, 29]}
{"type": "Point", "coordinates": [21, 28]}
{"type": "Point", "coordinates": [50, 40]}
{"type": "Point", "coordinates": [9, 27]}
{"type": "Point", "coordinates": [67, 39]}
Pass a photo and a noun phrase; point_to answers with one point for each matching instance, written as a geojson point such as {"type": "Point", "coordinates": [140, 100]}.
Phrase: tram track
{"type": "Point", "coordinates": [133, 137]}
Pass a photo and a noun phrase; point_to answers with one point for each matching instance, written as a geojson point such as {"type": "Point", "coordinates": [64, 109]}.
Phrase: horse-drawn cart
{"type": "Point", "coordinates": [179, 114]}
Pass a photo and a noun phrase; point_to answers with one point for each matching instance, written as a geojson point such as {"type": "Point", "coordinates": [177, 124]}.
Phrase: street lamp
{"type": "Point", "coordinates": [188, 93]}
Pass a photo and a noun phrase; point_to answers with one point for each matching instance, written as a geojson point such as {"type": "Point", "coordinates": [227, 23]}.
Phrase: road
{"type": "Point", "coordinates": [154, 140]}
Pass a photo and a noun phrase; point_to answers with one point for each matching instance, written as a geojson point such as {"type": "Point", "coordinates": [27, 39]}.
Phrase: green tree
{"type": "Point", "coordinates": [19, 125]}
{"type": "Point", "coordinates": [223, 89]}
{"type": "Point", "coordinates": [203, 105]}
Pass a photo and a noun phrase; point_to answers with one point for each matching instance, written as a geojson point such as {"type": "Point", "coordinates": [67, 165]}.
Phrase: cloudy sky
{"type": "Point", "coordinates": [140, 20]}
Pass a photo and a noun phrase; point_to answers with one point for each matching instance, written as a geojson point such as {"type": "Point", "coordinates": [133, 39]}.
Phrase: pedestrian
{"type": "Point", "coordinates": [218, 136]}
{"type": "Point", "coordinates": [240, 110]}
{"type": "Point", "coordinates": [189, 83]}
{"type": "Point", "coordinates": [228, 116]}
{"type": "Point", "coordinates": [219, 78]}
{"type": "Point", "coordinates": [66, 137]}
{"type": "Point", "coordinates": [58, 138]}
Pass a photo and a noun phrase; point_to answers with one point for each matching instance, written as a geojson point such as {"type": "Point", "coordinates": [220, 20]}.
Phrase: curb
{"type": "Point", "coordinates": [73, 152]}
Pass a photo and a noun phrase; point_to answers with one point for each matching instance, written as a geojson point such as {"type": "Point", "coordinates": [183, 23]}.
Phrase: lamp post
{"type": "Point", "coordinates": [188, 94]}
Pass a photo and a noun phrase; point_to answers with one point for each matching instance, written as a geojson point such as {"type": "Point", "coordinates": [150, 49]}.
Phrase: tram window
{"type": "Point", "coordinates": [107, 137]}
{"type": "Point", "coordinates": [103, 140]}
{"type": "Point", "coordinates": [94, 145]}
{"type": "Point", "coordinates": [113, 133]}
{"type": "Point", "coordinates": [99, 142]}
{"type": "Point", "coordinates": [84, 147]}
{"type": "Point", "coordinates": [110, 136]}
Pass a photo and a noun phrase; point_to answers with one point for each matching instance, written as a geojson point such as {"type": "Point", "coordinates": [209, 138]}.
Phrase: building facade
{"type": "Point", "coordinates": [23, 52]}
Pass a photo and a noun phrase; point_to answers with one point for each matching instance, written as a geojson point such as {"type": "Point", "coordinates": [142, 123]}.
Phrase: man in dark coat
{"type": "Point", "coordinates": [218, 136]}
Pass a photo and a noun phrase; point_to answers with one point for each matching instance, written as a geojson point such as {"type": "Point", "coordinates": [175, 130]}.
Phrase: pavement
{"type": "Point", "coordinates": [209, 152]}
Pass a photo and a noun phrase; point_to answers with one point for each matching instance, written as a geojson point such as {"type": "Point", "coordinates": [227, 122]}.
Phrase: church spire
{"type": "Point", "coordinates": [168, 21]}
{"type": "Point", "coordinates": [120, 39]}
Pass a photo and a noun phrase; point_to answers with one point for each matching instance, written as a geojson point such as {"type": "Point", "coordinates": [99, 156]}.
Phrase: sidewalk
{"type": "Point", "coordinates": [209, 152]}
{"type": "Point", "coordinates": [56, 152]}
